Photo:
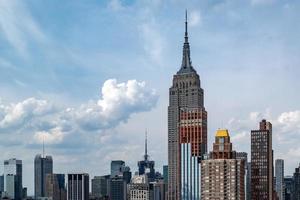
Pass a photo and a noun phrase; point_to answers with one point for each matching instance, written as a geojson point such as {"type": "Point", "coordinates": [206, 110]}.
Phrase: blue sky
{"type": "Point", "coordinates": [90, 76]}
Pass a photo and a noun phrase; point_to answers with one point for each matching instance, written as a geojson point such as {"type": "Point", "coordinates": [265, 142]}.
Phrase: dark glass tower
{"type": "Point", "coordinates": [146, 166]}
{"type": "Point", "coordinates": [187, 129]}
{"type": "Point", "coordinates": [42, 167]}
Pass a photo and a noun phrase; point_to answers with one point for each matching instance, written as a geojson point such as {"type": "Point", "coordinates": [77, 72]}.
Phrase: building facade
{"type": "Point", "coordinates": [13, 178]}
{"type": "Point", "coordinates": [118, 188]}
{"type": "Point", "coordinates": [138, 189]}
{"type": "Point", "coordinates": [78, 186]}
{"type": "Point", "coordinates": [279, 178]}
{"type": "Point", "coordinates": [223, 176]}
{"type": "Point", "coordinates": [100, 186]}
{"type": "Point", "coordinates": [55, 187]}
{"type": "Point", "coordinates": [296, 184]}
{"type": "Point", "coordinates": [42, 167]}
{"type": "Point", "coordinates": [288, 187]}
{"type": "Point", "coordinates": [262, 162]}
{"type": "Point", "coordinates": [187, 129]}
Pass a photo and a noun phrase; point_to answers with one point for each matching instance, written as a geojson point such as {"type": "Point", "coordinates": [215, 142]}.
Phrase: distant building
{"type": "Point", "coordinates": [116, 168]}
{"type": "Point", "coordinates": [1, 184]}
{"type": "Point", "coordinates": [288, 187]}
{"type": "Point", "coordinates": [42, 167]}
{"type": "Point", "coordinates": [222, 176]}
{"type": "Point", "coordinates": [248, 181]}
{"type": "Point", "coordinates": [158, 190]}
{"type": "Point", "coordinates": [55, 187]}
{"type": "Point", "coordinates": [262, 162]}
{"type": "Point", "coordinates": [100, 186]}
{"type": "Point", "coordinates": [244, 156]}
{"type": "Point", "coordinates": [118, 190]}
{"type": "Point", "coordinates": [279, 181]}
{"type": "Point", "coordinates": [78, 186]}
{"type": "Point", "coordinates": [146, 166]}
{"type": "Point", "coordinates": [165, 174]}
{"type": "Point", "coordinates": [296, 187]}
{"type": "Point", "coordinates": [138, 189]}
{"type": "Point", "coordinates": [13, 178]}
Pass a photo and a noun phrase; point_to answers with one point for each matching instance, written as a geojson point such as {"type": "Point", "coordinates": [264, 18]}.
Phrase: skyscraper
{"type": "Point", "coordinates": [42, 167]}
{"type": "Point", "coordinates": [116, 167]}
{"type": "Point", "coordinates": [55, 187]}
{"type": "Point", "coordinates": [262, 162]}
{"type": "Point", "coordinates": [187, 128]}
{"type": "Point", "coordinates": [118, 189]}
{"type": "Point", "coordinates": [296, 184]}
{"type": "Point", "coordinates": [223, 175]}
{"type": "Point", "coordinates": [78, 186]}
{"type": "Point", "coordinates": [13, 178]}
{"type": "Point", "coordinates": [288, 187]}
{"type": "Point", "coordinates": [146, 166]}
{"type": "Point", "coordinates": [100, 186]}
{"type": "Point", "coordinates": [279, 174]}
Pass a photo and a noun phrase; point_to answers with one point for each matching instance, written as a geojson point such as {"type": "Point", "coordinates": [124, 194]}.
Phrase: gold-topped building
{"type": "Point", "coordinates": [222, 176]}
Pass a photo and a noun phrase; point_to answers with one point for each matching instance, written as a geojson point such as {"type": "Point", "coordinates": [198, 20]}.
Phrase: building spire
{"type": "Point", "coordinates": [146, 148]}
{"type": "Point", "coordinates": [186, 29]}
{"type": "Point", "coordinates": [186, 66]}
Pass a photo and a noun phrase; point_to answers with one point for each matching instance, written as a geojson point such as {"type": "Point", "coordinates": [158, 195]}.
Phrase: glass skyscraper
{"type": "Point", "coordinates": [42, 167]}
{"type": "Point", "coordinates": [13, 178]}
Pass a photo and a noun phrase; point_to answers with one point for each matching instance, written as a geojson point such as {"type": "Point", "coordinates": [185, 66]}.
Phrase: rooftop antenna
{"type": "Point", "coordinates": [146, 150]}
{"type": "Point", "coordinates": [43, 146]}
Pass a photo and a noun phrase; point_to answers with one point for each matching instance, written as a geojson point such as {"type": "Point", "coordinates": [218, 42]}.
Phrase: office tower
{"type": "Point", "coordinates": [222, 176]}
{"type": "Point", "coordinates": [100, 186]}
{"type": "Point", "coordinates": [146, 166]}
{"type": "Point", "coordinates": [138, 189]}
{"type": "Point", "coordinates": [165, 174]}
{"type": "Point", "coordinates": [13, 178]}
{"type": "Point", "coordinates": [158, 190]}
{"type": "Point", "coordinates": [279, 181]}
{"type": "Point", "coordinates": [296, 185]}
{"type": "Point", "coordinates": [248, 181]}
{"type": "Point", "coordinates": [244, 156]}
{"type": "Point", "coordinates": [116, 167]}
{"type": "Point", "coordinates": [1, 184]}
{"type": "Point", "coordinates": [288, 189]}
{"type": "Point", "coordinates": [78, 186]}
{"type": "Point", "coordinates": [55, 187]}
{"type": "Point", "coordinates": [42, 167]}
{"type": "Point", "coordinates": [262, 162]}
{"type": "Point", "coordinates": [118, 189]}
{"type": "Point", "coordinates": [187, 128]}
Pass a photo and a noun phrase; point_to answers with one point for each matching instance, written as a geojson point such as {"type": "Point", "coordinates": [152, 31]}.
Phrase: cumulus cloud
{"type": "Point", "coordinates": [15, 115]}
{"type": "Point", "coordinates": [117, 103]}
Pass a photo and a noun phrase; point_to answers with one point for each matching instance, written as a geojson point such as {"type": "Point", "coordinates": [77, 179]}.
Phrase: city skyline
{"type": "Point", "coordinates": [48, 76]}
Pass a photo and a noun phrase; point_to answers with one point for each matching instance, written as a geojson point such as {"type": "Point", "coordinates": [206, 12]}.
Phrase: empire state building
{"type": "Point", "coordinates": [187, 130]}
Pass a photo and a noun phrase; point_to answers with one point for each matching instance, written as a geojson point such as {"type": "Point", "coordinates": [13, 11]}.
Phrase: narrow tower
{"type": "Point", "coordinates": [187, 129]}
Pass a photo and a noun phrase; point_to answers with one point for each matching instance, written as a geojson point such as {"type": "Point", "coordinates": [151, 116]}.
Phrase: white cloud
{"type": "Point", "coordinates": [117, 103]}
{"type": "Point", "coordinates": [17, 114]}
{"type": "Point", "coordinates": [195, 18]}
{"type": "Point", "coordinates": [53, 136]}
{"type": "Point", "coordinates": [18, 25]}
